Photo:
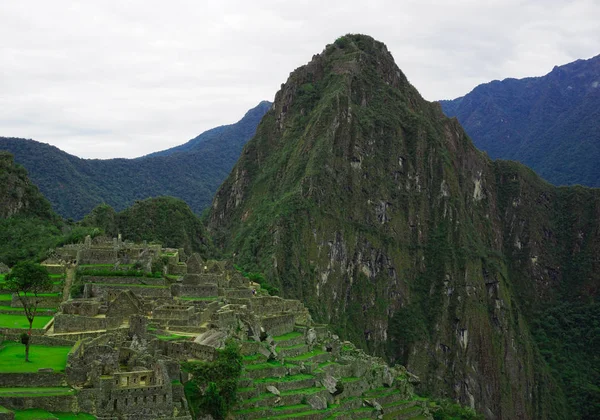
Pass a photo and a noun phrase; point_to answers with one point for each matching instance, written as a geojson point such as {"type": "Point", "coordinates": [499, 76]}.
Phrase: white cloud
{"type": "Point", "coordinates": [123, 79]}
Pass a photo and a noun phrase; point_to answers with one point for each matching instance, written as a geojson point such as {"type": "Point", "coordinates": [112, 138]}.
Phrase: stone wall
{"type": "Point", "coordinates": [67, 403]}
{"type": "Point", "coordinates": [64, 323]}
{"type": "Point", "coordinates": [150, 281]}
{"type": "Point", "coordinates": [83, 307]}
{"type": "Point", "coordinates": [10, 331]}
{"type": "Point", "coordinates": [34, 379]}
{"type": "Point", "coordinates": [278, 324]}
{"type": "Point", "coordinates": [95, 290]}
{"type": "Point", "coordinates": [6, 415]}
{"type": "Point", "coordinates": [224, 319]}
{"type": "Point", "coordinates": [183, 350]}
{"type": "Point", "coordinates": [44, 301]}
{"type": "Point", "coordinates": [177, 269]}
{"type": "Point", "coordinates": [173, 313]}
{"type": "Point", "coordinates": [204, 290]}
{"type": "Point", "coordinates": [238, 293]}
{"type": "Point", "coordinates": [42, 340]}
{"type": "Point", "coordinates": [97, 256]}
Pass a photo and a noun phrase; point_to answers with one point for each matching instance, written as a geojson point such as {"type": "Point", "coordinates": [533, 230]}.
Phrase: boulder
{"type": "Point", "coordinates": [273, 390]}
{"type": "Point", "coordinates": [388, 377]}
{"type": "Point", "coordinates": [330, 383]}
{"type": "Point", "coordinates": [311, 337]}
{"type": "Point", "coordinates": [3, 268]}
{"type": "Point", "coordinates": [317, 402]}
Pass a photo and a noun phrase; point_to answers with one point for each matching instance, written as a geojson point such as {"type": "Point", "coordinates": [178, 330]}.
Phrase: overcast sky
{"type": "Point", "coordinates": [120, 78]}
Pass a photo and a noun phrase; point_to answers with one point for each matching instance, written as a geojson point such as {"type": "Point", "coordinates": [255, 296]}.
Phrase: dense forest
{"type": "Point", "coordinates": [191, 172]}
{"type": "Point", "coordinates": [549, 123]}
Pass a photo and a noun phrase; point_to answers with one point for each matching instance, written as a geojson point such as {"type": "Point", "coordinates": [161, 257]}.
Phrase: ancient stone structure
{"type": "Point", "coordinates": [130, 333]}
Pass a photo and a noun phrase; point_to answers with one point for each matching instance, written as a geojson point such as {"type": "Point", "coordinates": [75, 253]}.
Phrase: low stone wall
{"type": "Point", "coordinates": [182, 350]}
{"type": "Point", "coordinates": [19, 331]}
{"type": "Point", "coordinates": [97, 256]}
{"type": "Point", "coordinates": [64, 323]}
{"type": "Point", "coordinates": [44, 301]}
{"type": "Point", "coordinates": [150, 281]}
{"type": "Point", "coordinates": [83, 307]}
{"type": "Point", "coordinates": [96, 290]}
{"type": "Point", "coordinates": [34, 379]}
{"type": "Point", "coordinates": [7, 415]}
{"type": "Point", "coordinates": [238, 293]}
{"type": "Point", "coordinates": [193, 278]}
{"type": "Point", "coordinates": [79, 335]}
{"type": "Point", "coordinates": [177, 269]}
{"type": "Point", "coordinates": [49, 312]}
{"type": "Point", "coordinates": [67, 403]}
{"type": "Point", "coordinates": [173, 313]}
{"type": "Point", "coordinates": [204, 290]}
{"type": "Point", "coordinates": [42, 340]}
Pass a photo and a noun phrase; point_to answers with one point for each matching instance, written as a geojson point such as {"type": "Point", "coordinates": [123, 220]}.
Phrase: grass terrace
{"type": "Point", "coordinates": [43, 414]}
{"type": "Point", "coordinates": [12, 358]}
{"type": "Point", "coordinates": [306, 356]}
{"type": "Point", "coordinates": [20, 321]}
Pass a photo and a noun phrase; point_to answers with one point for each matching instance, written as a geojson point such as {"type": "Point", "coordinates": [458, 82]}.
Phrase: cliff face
{"type": "Point", "coordinates": [364, 201]}
{"type": "Point", "coordinates": [18, 196]}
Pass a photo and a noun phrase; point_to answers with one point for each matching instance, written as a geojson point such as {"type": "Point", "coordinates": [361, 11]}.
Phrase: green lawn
{"type": "Point", "coordinates": [42, 414]}
{"type": "Point", "coordinates": [20, 321]}
{"type": "Point", "coordinates": [12, 358]}
{"type": "Point", "coordinates": [5, 296]}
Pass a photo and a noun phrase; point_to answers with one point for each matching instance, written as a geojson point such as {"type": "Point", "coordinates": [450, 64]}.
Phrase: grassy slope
{"type": "Point", "coordinates": [12, 358]}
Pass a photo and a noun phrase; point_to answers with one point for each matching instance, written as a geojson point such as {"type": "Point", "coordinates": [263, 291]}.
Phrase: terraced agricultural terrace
{"type": "Point", "coordinates": [124, 318]}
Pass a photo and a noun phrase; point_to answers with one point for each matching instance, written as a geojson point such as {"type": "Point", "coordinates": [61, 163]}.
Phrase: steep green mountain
{"type": "Point", "coordinates": [549, 123]}
{"type": "Point", "coordinates": [19, 197]}
{"type": "Point", "coordinates": [192, 171]}
{"type": "Point", "coordinates": [166, 220]}
{"type": "Point", "coordinates": [28, 226]}
{"type": "Point", "coordinates": [376, 210]}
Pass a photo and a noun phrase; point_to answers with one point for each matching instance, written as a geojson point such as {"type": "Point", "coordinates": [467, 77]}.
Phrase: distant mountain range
{"type": "Point", "coordinates": [191, 172]}
{"type": "Point", "coordinates": [550, 123]}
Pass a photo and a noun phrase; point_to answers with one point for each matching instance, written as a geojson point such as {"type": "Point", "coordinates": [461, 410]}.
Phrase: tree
{"type": "Point", "coordinates": [28, 280]}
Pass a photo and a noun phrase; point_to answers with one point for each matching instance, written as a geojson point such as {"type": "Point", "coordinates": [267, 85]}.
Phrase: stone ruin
{"type": "Point", "coordinates": [130, 335]}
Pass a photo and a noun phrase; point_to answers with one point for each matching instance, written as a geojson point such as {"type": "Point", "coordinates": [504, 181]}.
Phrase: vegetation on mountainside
{"type": "Point", "coordinates": [213, 387]}
{"type": "Point", "coordinates": [548, 123]}
{"type": "Point", "coordinates": [361, 199]}
{"type": "Point", "coordinates": [28, 226]}
{"type": "Point", "coordinates": [260, 279]}
{"type": "Point", "coordinates": [568, 335]}
{"type": "Point", "coordinates": [165, 220]}
{"type": "Point", "coordinates": [192, 171]}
